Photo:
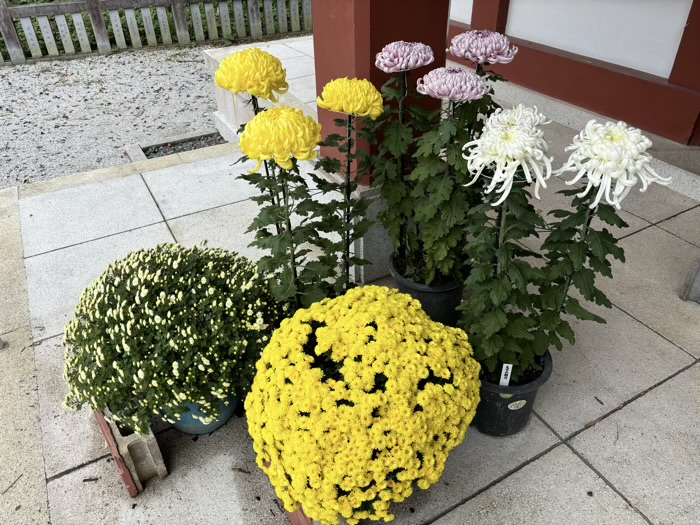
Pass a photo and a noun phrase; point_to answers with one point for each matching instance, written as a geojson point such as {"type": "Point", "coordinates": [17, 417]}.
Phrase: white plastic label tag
{"type": "Point", "coordinates": [505, 374]}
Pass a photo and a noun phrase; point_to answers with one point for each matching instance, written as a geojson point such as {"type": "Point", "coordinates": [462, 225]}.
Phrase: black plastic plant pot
{"type": "Point", "coordinates": [439, 302]}
{"type": "Point", "coordinates": [505, 410]}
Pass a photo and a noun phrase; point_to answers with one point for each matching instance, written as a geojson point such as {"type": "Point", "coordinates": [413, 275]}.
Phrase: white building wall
{"type": "Point", "coordinates": [640, 34]}
{"type": "Point", "coordinates": [461, 11]}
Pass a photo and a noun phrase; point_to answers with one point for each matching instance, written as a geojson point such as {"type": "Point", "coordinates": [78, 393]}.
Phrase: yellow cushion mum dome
{"type": "Point", "coordinates": [355, 399]}
{"type": "Point", "coordinates": [252, 71]}
{"type": "Point", "coordinates": [280, 134]}
{"type": "Point", "coordinates": [353, 97]}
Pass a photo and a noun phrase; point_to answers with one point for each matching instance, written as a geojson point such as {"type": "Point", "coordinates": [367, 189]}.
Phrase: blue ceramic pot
{"type": "Point", "coordinates": [189, 425]}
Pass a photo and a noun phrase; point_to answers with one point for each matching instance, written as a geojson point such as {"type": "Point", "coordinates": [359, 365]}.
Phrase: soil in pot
{"type": "Point", "coordinates": [505, 410]}
{"type": "Point", "coordinates": [440, 301]}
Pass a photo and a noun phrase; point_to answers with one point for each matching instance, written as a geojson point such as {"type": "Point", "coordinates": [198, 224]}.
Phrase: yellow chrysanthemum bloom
{"type": "Point", "coordinates": [353, 97]}
{"type": "Point", "coordinates": [280, 134]}
{"type": "Point", "coordinates": [252, 71]}
{"type": "Point", "coordinates": [356, 399]}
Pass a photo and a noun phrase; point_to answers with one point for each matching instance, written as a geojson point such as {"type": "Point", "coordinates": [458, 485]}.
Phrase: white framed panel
{"type": "Point", "coordinates": [461, 11]}
{"type": "Point", "coordinates": [640, 34]}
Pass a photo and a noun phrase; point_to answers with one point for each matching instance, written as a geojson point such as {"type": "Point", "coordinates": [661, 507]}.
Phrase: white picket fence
{"type": "Point", "coordinates": [82, 27]}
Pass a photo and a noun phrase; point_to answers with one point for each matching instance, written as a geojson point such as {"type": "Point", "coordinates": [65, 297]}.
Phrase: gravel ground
{"type": "Point", "coordinates": [68, 116]}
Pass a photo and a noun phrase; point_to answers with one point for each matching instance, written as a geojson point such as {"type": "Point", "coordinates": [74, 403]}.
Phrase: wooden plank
{"type": "Point", "coordinates": [269, 17]}
{"type": "Point", "coordinates": [133, 26]}
{"type": "Point", "coordinates": [116, 5]}
{"type": "Point", "coordinates": [83, 39]}
{"type": "Point", "coordinates": [306, 13]}
{"type": "Point", "coordinates": [254, 22]}
{"type": "Point", "coordinates": [9, 35]}
{"type": "Point", "coordinates": [294, 15]}
{"type": "Point", "coordinates": [212, 30]}
{"type": "Point", "coordinates": [282, 16]}
{"type": "Point", "coordinates": [66, 39]}
{"type": "Point", "coordinates": [47, 35]}
{"type": "Point", "coordinates": [197, 22]}
{"type": "Point", "coordinates": [225, 20]}
{"type": "Point", "coordinates": [117, 29]}
{"type": "Point", "coordinates": [180, 21]}
{"type": "Point", "coordinates": [54, 9]}
{"type": "Point", "coordinates": [240, 18]}
{"type": "Point", "coordinates": [98, 27]}
{"type": "Point", "coordinates": [30, 35]}
{"type": "Point", "coordinates": [164, 26]}
{"type": "Point", "coordinates": [148, 26]}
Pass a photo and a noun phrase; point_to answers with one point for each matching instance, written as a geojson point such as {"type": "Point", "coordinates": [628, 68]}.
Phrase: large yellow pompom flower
{"type": "Point", "coordinates": [252, 71]}
{"type": "Point", "coordinates": [356, 399]}
{"type": "Point", "coordinates": [353, 97]}
{"type": "Point", "coordinates": [280, 134]}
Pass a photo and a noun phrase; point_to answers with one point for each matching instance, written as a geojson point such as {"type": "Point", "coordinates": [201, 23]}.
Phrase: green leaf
{"type": "Point", "coordinates": [573, 307]}
{"type": "Point", "coordinates": [397, 138]}
{"type": "Point", "coordinates": [493, 321]}
{"type": "Point", "coordinates": [565, 330]}
{"type": "Point", "coordinates": [609, 215]}
{"type": "Point", "coordinates": [518, 328]}
{"type": "Point", "coordinates": [577, 253]}
{"type": "Point", "coordinates": [499, 291]}
{"type": "Point", "coordinates": [584, 281]}
{"type": "Point", "coordinates": [427, 168]}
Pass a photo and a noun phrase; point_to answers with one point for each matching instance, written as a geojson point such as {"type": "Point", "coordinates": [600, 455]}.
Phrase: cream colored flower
{"type": "Point", "coordinates": [511, 141]}
{"type": "Point", "coordinates": [612, 157]}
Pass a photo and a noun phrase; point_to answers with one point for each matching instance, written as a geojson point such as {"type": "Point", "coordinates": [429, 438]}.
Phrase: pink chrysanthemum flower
{"type": "Point", "coordinates": [483, 47]}
{"type": "Point", "coordinates": [404, 56]}
{"type": "Point", "coordinates": [451, 83]}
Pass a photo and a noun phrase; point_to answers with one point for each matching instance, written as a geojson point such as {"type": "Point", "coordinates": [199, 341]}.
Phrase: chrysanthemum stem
{"type": "Point", "coordinates": [403, 240]}
{"type": "Point", "coordinates": [288, 224]}
{"type": "Point", "coordinates": [590, 215]}
{"type": "Point", "coordinates": [502, 220]}
{"type": "Point", "coordinates": [348, 195]}
{"type": "Point", "coordinates": [268, 168]}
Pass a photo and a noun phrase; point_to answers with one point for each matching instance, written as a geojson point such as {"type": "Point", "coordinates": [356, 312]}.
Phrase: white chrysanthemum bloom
{"type": "Point", "coordinates": [613, 158]}
{"type": "Point", "coordinates": [511, 140]}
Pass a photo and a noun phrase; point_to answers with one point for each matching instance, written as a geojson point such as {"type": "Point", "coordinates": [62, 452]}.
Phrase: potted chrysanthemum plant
{"type": "Point", "coordinates": [172, 332]}
{"type": "Point", "coordinates": [429, 265]}
{"type": "Point", "coordinates": [345, 426]}
{"type": "Point", "coordinates": [259, 75]}
{"type": "Point", "coordinates": [518, 299]}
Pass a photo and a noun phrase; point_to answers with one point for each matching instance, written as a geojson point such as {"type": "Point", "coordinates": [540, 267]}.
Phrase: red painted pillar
{"type": "Point", "coordinates": [490, 14]}
{"type": "Point", "coordinates": [349, 33]}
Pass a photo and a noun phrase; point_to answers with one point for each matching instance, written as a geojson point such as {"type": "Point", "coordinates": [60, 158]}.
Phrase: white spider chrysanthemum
{"type": "Point", "coordinates": [613, 158]}
{"type": "Point", "coordinates": [511, 140]}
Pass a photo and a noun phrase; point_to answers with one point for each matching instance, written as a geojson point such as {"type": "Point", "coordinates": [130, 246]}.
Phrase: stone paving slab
{"type": "Point", "coordinates": [70, 438]}
{"type": "Point", "coordinates": [213, 480]}
{"type": "Point", "coordinates": [304, 88]}
{"type": "Point", "coordinates": [686, 226]}
{"type": "Point", "coordinates": [56, 279]}
{"type": "Point", "coordinates": [13, 285]}
{"type": "Point", "coordinates": [604, 369]}
{"type": "Point", "coordinates": [557, 488]}
{"type": "Point", "coordinates": [221, 227]}
{"type": "Point", "coordinates": [649, 283]}
{"type": "Point", "coordinates": [479, 461]}
{"type": "Point", "coordinates": [649, 450]}
{"type": "Point", "coordinates": [190, 188]}
{"type": "Point", "coordinates": [303, 44]}
{"type": "Point", "coordinates": [657, 203]}
{"type": "Point", "coordinates": [302, 66]}
{"type": "Point", "coordinates": [22, 483]}
{"type": "Point", "coordinates": [83, 213]}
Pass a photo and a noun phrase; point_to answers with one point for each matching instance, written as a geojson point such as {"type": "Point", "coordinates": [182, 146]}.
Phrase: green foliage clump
{"type": "Point", "coordinates": [166, 327]}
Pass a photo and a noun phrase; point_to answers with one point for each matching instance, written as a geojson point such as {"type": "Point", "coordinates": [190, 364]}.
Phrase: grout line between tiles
{"type": "Point", "coordinates": [91, 240]}
{"type": "Point", "coordinates": [608, 483]}
{"type": "Point", "coordinates": [77, 467]}
{"type": "Point", "coordinates": [492, 484]}
{"type": "Point", "coordinates": [207, 209]}
{"type": "Point", "coordinates": [158, 206]}
{"type": "Point", "coordinates": [629, 401]}
{"type": "Point", "coordinates": [662, 336]}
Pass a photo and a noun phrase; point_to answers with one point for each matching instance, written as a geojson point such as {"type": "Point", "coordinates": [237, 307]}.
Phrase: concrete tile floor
{"type": "Point", "coordinates": [614, 438]}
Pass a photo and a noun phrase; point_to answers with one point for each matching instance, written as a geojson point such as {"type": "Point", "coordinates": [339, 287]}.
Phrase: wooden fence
{"type": "Point", "coordinates": [82, 27]}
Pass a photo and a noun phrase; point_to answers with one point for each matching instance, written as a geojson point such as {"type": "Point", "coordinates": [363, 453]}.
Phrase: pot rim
{"type": "Point", "coordinates": [527, 387]}
{"type": "Point", "coordinates": [453, 285]}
